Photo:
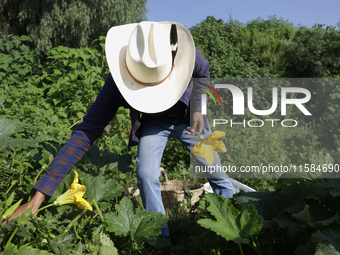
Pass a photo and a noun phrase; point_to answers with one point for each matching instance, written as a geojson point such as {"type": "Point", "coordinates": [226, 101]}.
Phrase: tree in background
{"type": "Point", "coordinates": [71, 23]}
{"type": "Point", "coordinates": [274, 48]}
{"type": "Point", "coordinates": [263, 41]}
{"type": "Point", "coordinates": [313, 53]}
{"type": "Point", "coordinates": [213, 39]}
{"type": "Point", "coordinates": [244, 50]}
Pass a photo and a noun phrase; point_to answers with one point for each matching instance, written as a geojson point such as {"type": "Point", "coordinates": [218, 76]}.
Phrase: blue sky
{"type": "Point", "coordinates": [299, 12]}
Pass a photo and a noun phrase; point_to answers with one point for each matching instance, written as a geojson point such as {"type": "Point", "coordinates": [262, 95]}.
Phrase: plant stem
{"type": "Point", "coordinates": [75, 220]}
{"type": "Point", "coordinates": [255, 249]}
{"type": "Point", "coordinates": [239, 245]}
{"type": "Point", "coordinates": [23, 240]}
{"type": "Point", "coordinates": [10, 239]}
{"type": "Point", "coordinates": [201, 137]}
{"type": "Point", "coordinates": [9, 188]}
{"type": "Point", "coordinates": [258, 243]}
{"type": "Point", "coordinates": [45, 207]}
{"type": "Point", "coordinates": [42, 169]}
{"type": "Point", "coordinates": [253, 241]}
{"type": "Point", "coordinates": [76, 232]}
{"type": "Point", "coordinates": [74, 124]}
{"type": "Point", "coordinates": [98, 209]}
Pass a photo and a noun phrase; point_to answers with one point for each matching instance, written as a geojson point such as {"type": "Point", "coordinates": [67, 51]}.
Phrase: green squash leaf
{"type": "Point", "coordinates": [229, 222]}
{"type": "Point", "coordinates": [107, 247]}
{"type": "Point", "coordinates": [270, 204]}
{"type": "Point", "coordinates": [141, 227]}
{"type": "Point", "coordinates": [98, 188]}
{"type": "Point", "coordinates": [328, 236]}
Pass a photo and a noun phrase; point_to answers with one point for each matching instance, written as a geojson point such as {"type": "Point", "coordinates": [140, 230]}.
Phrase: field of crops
{"type": "Point", "coordinates": [43, 98]}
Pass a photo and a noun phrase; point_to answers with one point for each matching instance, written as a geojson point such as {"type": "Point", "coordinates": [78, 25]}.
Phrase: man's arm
{"type": "Point", "coordinates": [197, 123]}
{"type": "Point", "coordinates": [99, 115]}
{"type": "Point", "coordinates": [34, 204]}
{"type": "Point", "coordinates": [201, 78]}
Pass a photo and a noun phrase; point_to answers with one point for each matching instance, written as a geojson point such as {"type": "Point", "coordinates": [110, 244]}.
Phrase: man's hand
{"type": "Point", "coordinates": [197, 123]}
{"type": "Point", "coordinates": [34, 203]}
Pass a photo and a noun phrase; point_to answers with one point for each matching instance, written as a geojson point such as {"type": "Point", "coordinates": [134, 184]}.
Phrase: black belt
{"type": "Point", "coordinates": [175, 115]}
{"type": "Point", "coordinates": [159, 115]}
{"type": "Point", "coordinates": [177, 111]}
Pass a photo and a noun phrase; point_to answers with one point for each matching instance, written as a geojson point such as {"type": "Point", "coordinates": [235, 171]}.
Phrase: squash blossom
{"type": "Point", "coordinates": [207, 146]}
{"type": "Point", "coordinates": [74, 195]}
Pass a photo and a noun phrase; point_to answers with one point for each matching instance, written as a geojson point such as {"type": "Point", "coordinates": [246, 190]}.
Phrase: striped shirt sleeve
{"type": "Point", "coordinates": [67, 157]}
{"type": "Point", "coordinates": [201, 78]}
{"type": "Point", "coordinates": [99, 115]}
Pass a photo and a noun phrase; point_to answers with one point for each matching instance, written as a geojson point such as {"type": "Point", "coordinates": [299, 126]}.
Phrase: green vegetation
{"type": "Point", "coordinates": [45, 93]}
{"type": "Point", "coordinates": [67, 23]}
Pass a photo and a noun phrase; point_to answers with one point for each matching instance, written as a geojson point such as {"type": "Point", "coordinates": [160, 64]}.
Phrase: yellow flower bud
{"type": "Point", "coordinates": [11, 210]}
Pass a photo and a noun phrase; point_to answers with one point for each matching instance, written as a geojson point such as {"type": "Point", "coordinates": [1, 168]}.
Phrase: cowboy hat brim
{"type": "Point", "coordinates": [150, 99]}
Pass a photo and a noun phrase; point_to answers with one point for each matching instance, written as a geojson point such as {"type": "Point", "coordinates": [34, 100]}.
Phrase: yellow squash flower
{"type": "Point", "coordinates": [207, 146]}
{"type": "Point", "coordinates": [74, 195]}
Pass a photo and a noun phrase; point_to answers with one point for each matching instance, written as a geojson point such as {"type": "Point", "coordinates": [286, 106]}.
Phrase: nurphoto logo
{"type": "Point", "coordinates": [238, 99]}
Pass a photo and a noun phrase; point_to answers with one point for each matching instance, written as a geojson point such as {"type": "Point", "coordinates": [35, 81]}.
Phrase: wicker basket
{"type": "Point", "coordinates": [172, 191]}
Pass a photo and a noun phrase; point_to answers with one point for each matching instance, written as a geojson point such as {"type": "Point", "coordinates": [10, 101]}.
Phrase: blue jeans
{"type": "Point", "coordinates": [154, 135]}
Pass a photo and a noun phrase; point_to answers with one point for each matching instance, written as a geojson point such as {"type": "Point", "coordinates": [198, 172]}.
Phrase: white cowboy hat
{"type": "Point", "coordinates": [151, 63]}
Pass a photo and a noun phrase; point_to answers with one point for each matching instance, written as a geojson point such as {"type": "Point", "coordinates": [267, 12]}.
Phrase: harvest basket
{"type": "Point", "coordinates": [172, 191]}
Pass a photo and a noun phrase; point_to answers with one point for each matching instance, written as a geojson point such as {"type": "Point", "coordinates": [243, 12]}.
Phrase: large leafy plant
{"type": "Point", "coordinates": [304, 211]}
{"type": "Point", "coordinates": [227, 221]}
{"type": "Point", "coordinates": [140, 226]}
